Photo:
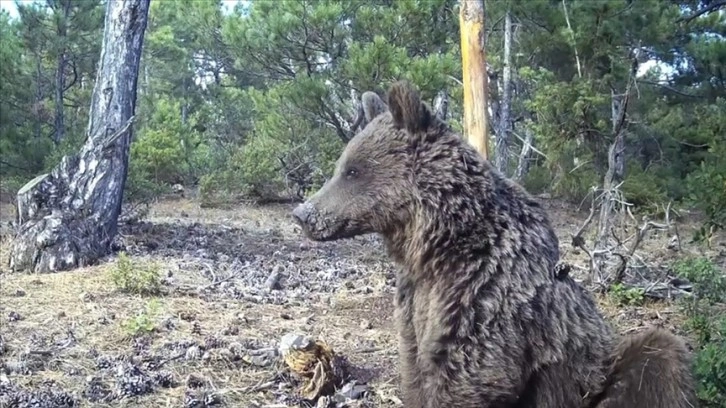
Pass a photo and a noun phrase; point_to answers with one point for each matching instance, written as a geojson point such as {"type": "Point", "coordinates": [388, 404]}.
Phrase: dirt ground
{"type": "Point", "coordinates": [235, 282]}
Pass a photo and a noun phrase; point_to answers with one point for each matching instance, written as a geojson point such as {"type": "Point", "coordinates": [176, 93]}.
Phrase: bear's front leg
{"type": "Point", "coordinates": [408, 345]}
{"type": "Point", "coordinates": [410, 373]}
{"type": "Point", "coordinates": [458, 375]}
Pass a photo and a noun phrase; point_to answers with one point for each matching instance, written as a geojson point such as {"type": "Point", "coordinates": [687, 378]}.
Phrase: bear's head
{"type": "Point", "coordinates": [374, 188]}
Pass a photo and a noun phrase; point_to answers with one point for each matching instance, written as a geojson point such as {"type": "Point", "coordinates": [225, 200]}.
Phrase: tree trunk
{"type": "Point", "coordinates": [38, 103]}
{"type": "Point", "coordinates": [68, 217]}
{"type": "Point", "coordinates": [502, 156]}
{"type": "Point", "coordinates": [616, 155]}
{"type": "Point", "coordinates": [441, 104]}
{"type": "Point", "coordinates": [471, 19]}
{"type": "Point", "coordinates": [523, 164]}
{"type": "Point", "coordinates": [60, 73]}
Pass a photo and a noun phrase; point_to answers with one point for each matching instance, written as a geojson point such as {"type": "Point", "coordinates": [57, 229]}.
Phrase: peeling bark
{"type": "Point", "coordinates": [68, 217]}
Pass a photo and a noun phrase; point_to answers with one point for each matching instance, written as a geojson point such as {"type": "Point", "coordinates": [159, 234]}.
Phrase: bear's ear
{"type": "Point", "coordinates": [407, 109]}
{"type": "Point", "coordinates": [373, 105]}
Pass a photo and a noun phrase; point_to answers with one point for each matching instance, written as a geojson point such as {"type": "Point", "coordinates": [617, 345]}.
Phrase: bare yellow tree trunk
{"type": "Point", "coordinates": [471, 21]}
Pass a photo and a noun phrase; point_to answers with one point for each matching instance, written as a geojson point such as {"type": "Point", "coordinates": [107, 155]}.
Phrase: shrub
{"type": "Point", "coordinates": [623, 295]}
{"type": "Point", "coordinates": [145, 321]}
{"type": "Point", "coordinates": [642, 188]}
{"type": "Point", "coordinates": [707, 191]}
{"type": "Point", "coordinates": [135, 277]}
{"type": "Point", "coordinates": [706, 320]}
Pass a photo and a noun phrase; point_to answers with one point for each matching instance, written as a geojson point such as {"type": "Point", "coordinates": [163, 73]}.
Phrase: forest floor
{"type": "Point", "coordinates": [234, 283]}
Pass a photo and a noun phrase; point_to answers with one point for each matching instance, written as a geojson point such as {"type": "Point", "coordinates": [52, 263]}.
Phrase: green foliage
{"type": "Point", "coordinates": [707, 187]}
{"type": "Point", "coordinates": [136, 277]}
{"type": "Point", "coordinates": [709, 280]}
{"type": "Point", "coordinates": [259, 101]}
{"type": "Point", "coordinates": [169, 148]}
{"type": "Point", "coordinates": [642, 188]}
{"type": "Point", "coordinates": [537, 180]}
{"type": "Point", "coordinates": [140, 185]}
{"type": "Point", "coordinates": [711, 370]}
{"type": "Point", "coordinates": [627, 296]}
{"type": "Point", "coordinates": [145, 320]}
{"type": "Point", "coordinates": [707, 322]}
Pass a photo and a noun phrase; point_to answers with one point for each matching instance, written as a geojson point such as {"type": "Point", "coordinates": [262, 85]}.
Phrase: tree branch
{"type": "Point", "coordinates": [707, 10]}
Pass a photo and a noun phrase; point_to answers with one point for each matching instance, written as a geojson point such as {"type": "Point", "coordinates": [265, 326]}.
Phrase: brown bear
{"type": "Point", "coordinates": [482, 319]}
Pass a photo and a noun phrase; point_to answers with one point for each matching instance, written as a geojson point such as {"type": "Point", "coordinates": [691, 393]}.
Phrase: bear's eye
{"type": "Point", "coordinates": [351, 173]}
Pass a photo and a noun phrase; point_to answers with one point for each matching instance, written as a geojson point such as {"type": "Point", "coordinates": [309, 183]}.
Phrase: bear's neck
{"type": "Point", "coordinates": [478, 217]}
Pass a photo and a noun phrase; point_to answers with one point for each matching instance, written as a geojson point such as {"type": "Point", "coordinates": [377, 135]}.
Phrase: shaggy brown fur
{"type": "Point", "coordinates": [483, 320]}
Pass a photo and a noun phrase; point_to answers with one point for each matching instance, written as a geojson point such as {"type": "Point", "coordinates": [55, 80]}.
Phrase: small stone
{"type": "Point", "coordinates": [353, 391]}
{"type": "Point", "coordinates": [294, 341]}
{"type": "Point", "coordinates": [14, 316]}
{"type": "Point", "coordinates": [366, 324]}
{"type": "Point", "coordinates": [273, 281]}
{"type": "Point", "coordinates": [285, 316]}
{"type": "Point", "coordinates": [19, 293]}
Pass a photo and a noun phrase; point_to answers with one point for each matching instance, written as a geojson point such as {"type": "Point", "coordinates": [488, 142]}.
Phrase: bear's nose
{"type": "Point", "coordinates": [301, 213]}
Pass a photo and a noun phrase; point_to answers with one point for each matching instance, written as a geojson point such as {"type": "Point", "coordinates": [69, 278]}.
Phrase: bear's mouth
{"type": "Point", "coordinates": [329, 231]}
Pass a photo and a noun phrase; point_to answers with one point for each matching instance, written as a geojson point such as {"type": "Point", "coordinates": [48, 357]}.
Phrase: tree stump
{"type": "Point", "coordinates": [68, 217]}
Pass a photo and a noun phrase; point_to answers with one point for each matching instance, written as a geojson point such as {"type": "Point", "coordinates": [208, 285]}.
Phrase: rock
{"type": "Point", "coordinates": [294, 341]}
{"type": "Point", "coordinates": [19, 293]}
{"type": "Point", "coordinates": [14, 316]}
{"type": "Point", "coordinates": [352, 391]}
{"type": "Point", "coordinates": [273, 281]}
{"type": "Point", "coordinates": [366, 324]}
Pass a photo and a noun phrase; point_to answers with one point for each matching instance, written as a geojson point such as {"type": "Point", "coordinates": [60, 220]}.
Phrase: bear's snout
{"type": "Point", "coordinates": [302, 212]}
